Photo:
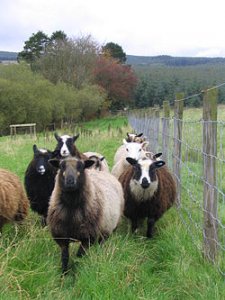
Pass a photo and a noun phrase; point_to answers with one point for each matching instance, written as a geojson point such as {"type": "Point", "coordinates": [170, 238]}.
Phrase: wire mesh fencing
{"type": "Point", "coordinates": [194, 150]}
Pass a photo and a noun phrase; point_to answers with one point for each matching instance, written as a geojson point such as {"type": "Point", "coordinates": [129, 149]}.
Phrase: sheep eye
{"type": "Point", "coordinates": [127, 149]}
{"type": "Point", "coordinates": [139, 150]}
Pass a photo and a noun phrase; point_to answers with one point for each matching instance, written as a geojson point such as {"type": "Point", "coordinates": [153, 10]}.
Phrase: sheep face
{"type": "Point", "coordinates": [41, 157]}
{"type": "Point", "coordinates": [133, 137]}
{"type": "Point", "coordinates": [145, 172]}
{"type": "Point", "coordinates": [71, 173]}
{"type": "Point", "coordinates": [66, 144]}
{"type": "Point", "coordinates": [135, 150]}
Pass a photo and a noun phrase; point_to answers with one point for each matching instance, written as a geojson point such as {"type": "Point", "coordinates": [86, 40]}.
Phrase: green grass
{"type": "Point", "coordinates": [126, 266]}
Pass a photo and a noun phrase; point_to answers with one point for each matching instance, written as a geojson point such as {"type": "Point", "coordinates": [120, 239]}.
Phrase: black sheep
{"type": "Point", "coordinates": [40, 180]}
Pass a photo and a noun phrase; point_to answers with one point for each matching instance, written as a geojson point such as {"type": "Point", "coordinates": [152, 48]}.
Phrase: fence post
{"type": "Point", "coordinates": [209, 173]}
{"type": "Point", "coordinates": [156, 129]}
{"type": "Point", "coordinates": [178, 119]}
{"type": "Point", "coordinates": [165, 130]}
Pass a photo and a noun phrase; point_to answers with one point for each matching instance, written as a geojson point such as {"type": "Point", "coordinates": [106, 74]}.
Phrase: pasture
{"type": "Point", "coordinates": [126, 266]}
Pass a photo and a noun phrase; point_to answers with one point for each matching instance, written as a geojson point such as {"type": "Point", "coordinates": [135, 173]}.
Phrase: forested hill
{"type": "Point", "coordinates": [171, 60]}
{"type": "Point", "coordinates": [5, 55]}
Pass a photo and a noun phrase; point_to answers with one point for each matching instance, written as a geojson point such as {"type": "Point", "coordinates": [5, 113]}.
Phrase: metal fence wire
{"type": "Point", "coordinates": [195, 152]}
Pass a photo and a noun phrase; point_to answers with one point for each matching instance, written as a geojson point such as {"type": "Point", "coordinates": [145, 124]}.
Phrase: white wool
{"type": "Point", "coordinates": [141, 194]}
{"type": "Point", "coordinates": [110, 191]}
{"type": "Point", "coordinates": [104, 164]}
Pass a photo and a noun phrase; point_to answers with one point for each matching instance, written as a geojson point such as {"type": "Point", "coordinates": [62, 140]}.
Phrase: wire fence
{"type": "Point", "coordinates": [194, 149]}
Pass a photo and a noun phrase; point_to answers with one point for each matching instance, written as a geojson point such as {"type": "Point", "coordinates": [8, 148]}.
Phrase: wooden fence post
{"type": "Point", "coordinates": [156, 129]}
{"type": "Point", "coordinates": [209, 173]}
{"type": "Point", "coordinates": [165, 130]}
{"type": "Point", "coordinates": [178, 119]}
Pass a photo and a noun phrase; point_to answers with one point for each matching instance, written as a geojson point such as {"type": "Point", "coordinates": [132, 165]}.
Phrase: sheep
{"type": "Point", "coordinates": [39, 181]}
{"type": "Point", "coordinates": [149, 191]}
{"type": "Point", "coordinates": [100, 161]}
{"type": "Point", "coordinates": [85, 205]}
{"type": "Point", "coordinates": [66, 147]}
{"type": "Point", "coordinates": [131, 138]}
{"type": "Point", "coordinates": [14, 204]}
{"type": "Point", "coordinates": [133, 150]}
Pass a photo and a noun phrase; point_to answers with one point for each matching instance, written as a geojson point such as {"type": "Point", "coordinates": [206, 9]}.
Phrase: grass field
{"type": "Point", "coordinates": [169, 266]}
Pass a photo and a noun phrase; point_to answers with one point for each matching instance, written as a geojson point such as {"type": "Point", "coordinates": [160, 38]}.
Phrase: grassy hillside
{"type": "Point", "coordinates": [172, 61]}
{"type": "Point", "coordinates": [125, 267]}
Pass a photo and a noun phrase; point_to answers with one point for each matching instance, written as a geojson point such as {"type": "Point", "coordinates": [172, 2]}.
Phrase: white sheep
{"type": "Point", "coordinates": [133, 150]}
{"type": "Point", "coordinates": [131, 138]}
{"type": "Point", "coordinates": [100, 161]}
{"type": "Point", "coordinates": [85, 205]}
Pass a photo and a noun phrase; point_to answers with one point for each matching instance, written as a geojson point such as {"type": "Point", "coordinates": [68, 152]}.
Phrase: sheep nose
{"type": "Point", "coordinates": [145, 184]}
{"type": "Point", "coordinates": [70, 180]}
{"type": "Point", "coordinates": [41, 169]}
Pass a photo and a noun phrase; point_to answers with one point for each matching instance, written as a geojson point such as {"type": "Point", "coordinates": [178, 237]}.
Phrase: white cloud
{"type": "Point", "coordinates": [144, 27]}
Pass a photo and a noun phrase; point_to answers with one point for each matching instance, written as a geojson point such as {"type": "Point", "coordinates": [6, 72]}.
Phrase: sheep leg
{"type": "Point", "coordinates": [1, 223]}
{"type": "Point", "coordinates": [85, 244]}
{"type": "Point", "coordinates": [64, 257]}
{"type": "Point", "coordinates": [150, 225]}
{"type": "Point", "coordinates": [43, 221]}
{"type": "Point", "coordinates": [134, 225]}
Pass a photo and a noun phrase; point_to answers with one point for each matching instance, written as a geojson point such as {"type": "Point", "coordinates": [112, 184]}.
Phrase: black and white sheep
{"type": "Point", "coordinates": [14, 204]}
{"type": "Point", "coordinates": [149, 191]}
{"type": "Point", "coordinates": [85, 205]}
{"type": "Point", "coordinates": [66, 147]}
{"type": "Point", "coordinates": [39, 181]}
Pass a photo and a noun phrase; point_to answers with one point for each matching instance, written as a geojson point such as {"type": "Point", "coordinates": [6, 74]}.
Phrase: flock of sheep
{"type": "Point", "coordinates": [80, 200]}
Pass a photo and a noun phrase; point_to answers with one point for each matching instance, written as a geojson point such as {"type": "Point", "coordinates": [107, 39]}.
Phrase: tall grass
{"type": "Point", "coordinates": [126, 267]}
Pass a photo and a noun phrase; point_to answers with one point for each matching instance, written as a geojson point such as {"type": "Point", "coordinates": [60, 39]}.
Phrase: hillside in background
{"type": "Point", "coordinates": [5, 55]}
{"type": "Point", "coordinates": [171, 60]}
{"type": "Point", "coordinates": [136, 60]}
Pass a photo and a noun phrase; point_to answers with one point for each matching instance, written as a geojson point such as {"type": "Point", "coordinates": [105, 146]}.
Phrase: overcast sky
{"type": "Point", "coordinates": [144, 27]}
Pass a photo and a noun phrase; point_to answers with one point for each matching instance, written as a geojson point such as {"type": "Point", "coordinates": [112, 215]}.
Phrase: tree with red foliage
{"type": "Point", "coordinates": [118, 80]}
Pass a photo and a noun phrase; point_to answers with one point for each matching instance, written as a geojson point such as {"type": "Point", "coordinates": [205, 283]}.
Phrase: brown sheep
{"type": "Point", "coordinates": [149, 191]}
{"type": "Point", "coordinates": [85, 205]}
{"type": "Point", "coordinates": [13, 200]}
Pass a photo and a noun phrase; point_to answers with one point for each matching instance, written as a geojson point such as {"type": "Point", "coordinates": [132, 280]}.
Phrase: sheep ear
{"type": "Point", "coordinates": [159, 163]}
{"type": "Point", "coordinates": [144, 145]}
{"type": "Point", "coordinates": [139, 135]}
{"type": "Point", "coordinates": [57, 137]}
{"type": "Point", "coordinates": [88, 163]}
{"type": "Point", "coordinates": [75, 137]}
{"type": "Point", "coordinates": [131, 161]}
{"type": "Point", "coordinates": [35, 148]}
{"type": "Point", "coordinates": [124, 142]}
{"type": "Point", "coordinates": [157, 155]}
{"type": "Point", "coordinates": [54, 162]}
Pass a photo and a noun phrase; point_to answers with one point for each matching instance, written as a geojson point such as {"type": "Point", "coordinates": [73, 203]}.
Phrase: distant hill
{"type": "Point", "coordinates": [136, 60]}
{"type": "Point", "coordinates": [5, 55]}
{"type": "Point", "coordinates": [171, 60]}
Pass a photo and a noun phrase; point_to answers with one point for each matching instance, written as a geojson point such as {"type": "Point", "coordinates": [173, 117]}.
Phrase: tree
{"type": "Point", "coordinates": [70, 61]}
{"type": "Point", "coordinates": [115, 51]}
{"type": "Point", "coordinates": [58, 36]}
{"type": "Point", "coordinates": [34, 47]}
{"type": "Point", "coordinates": [119, 81]}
